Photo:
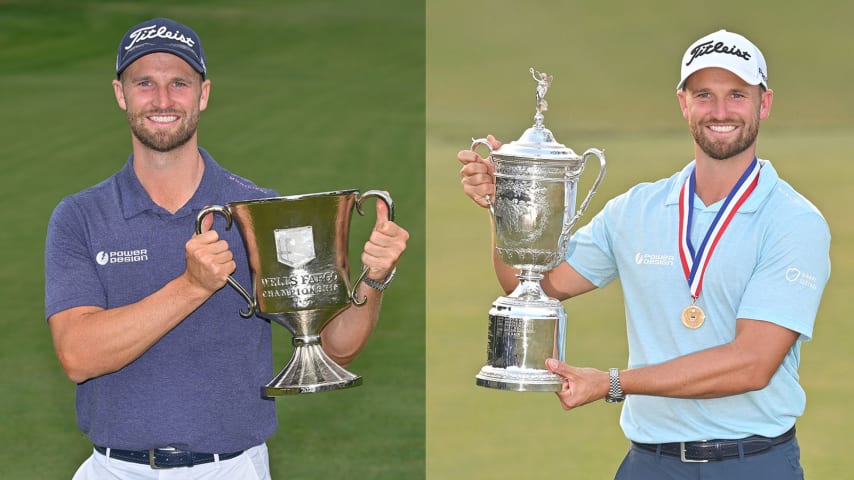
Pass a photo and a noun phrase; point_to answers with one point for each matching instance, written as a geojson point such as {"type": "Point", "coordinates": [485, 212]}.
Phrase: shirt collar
{"type": "Point", "coordinates": [767, 179]}
{"type": "Point", "coordinates": [135, 200]}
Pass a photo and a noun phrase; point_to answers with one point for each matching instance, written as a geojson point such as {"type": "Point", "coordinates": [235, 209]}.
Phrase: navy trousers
{"type": "Point", "coordinates": [782, 462]}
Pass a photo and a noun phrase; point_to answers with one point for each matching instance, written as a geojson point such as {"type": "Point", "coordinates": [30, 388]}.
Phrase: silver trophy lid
{"type": "Point", "coordinates": [538, 142]}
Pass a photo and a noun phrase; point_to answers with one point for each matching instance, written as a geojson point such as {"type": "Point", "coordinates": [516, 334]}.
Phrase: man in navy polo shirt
{"type": "Point", "coordinates": [135, 303]}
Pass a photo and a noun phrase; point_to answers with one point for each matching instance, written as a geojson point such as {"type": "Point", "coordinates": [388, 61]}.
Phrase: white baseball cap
{"type": "Point", "coordinates": [727, 50]}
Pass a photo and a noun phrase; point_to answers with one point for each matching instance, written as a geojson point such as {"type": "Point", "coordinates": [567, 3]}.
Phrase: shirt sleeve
{"type": "Point", "coordinates": [590, 251]}
{"type": "Point", "coordinates": [788, 281]}
{"type": "Point", "coordinates": [71, 278]}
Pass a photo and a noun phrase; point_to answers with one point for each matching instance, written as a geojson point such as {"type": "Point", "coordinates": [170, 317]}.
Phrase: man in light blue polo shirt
{"type": "Point", "coordinates": [722, 267]}
{"type": "Point", "coordinates": [168, 373]}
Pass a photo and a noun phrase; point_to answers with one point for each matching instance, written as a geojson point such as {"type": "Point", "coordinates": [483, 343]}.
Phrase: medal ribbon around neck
{"type": "Point", "coordinates": [694, 264]}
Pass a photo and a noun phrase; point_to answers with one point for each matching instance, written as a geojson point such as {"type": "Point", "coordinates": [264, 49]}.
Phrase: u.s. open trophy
{"type": "Point", "coordinates": [297, 249]}
{"type": "Point", "coordinates": [536, 180]}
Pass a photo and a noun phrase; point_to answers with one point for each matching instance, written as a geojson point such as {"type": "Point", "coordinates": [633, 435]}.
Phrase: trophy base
{"type": "Point", "coordinates": [310, 370]}
{"type": "Point", "coordinates": [519, 379]}
{"type": "Point", "coordinates": [525, 329]}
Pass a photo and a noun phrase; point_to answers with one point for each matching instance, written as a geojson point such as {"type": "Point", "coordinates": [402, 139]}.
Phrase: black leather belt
{"type": "Point", "coordinates": [164, 457]}
{"type": "Point", "coordinates": [717, 449]}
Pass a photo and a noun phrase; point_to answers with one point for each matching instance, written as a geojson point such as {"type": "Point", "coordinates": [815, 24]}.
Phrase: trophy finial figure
{"type": "Point", "coordinates": [544, 81]}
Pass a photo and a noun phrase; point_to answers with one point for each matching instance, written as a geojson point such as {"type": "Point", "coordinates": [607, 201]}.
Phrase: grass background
{"type": "Point", "coordinates": [615, 67]}
{"type": "Point", "coordinates": [307, 95]}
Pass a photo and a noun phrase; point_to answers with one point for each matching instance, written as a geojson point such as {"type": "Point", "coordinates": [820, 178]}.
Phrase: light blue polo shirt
{"type": "Point", "coordinates": [199, 387]}
{"type": "Point", "coordinates": [771, 264]}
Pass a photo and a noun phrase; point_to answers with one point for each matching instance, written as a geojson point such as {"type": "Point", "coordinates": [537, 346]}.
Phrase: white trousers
{"type": "Point", "coordinates": [254, 464]}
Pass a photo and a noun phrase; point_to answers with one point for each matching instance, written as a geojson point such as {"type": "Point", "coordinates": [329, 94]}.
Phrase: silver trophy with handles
{"type": "Point", "coordinates": [536, 180]}
{"type": "Point", "coordinates": [298, 255]}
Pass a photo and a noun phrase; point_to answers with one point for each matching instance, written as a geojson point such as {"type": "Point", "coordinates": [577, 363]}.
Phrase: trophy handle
{"type": "Point", "coordinates": [385, 197]}
{"type": "Point", "coordinates": [225, 212]}
{"type": "Point", "coordinates": [591, 152]}
{"type": "Point", "coordinates": [475, 142]}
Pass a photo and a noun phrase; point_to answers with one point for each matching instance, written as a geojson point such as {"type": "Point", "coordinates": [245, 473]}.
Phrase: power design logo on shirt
{"type": "Point", "coordinates": [122, 256]}
{"type": "Point", "coordinates": [654, 259]}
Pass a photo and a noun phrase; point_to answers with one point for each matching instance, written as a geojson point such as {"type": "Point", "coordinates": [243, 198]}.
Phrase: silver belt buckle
{"type": "Point", "coordinates": [687, 460]}
{"type": "Point", "coordinates": [151, 462]}
{"type": "Point", "coordinates": [155, 467]}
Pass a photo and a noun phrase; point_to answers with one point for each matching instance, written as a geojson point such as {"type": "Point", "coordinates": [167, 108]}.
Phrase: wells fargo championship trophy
{"type": "Point", "coordinates": [297, 249]}
{"type": "Point", "coordinates": [533, 211]}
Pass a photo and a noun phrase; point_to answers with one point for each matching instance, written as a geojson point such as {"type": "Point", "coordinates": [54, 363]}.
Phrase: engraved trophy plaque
{"type": "Point", "coordinates": [536, 180]}
{"type": "Point", "coordinates": [297, 250]}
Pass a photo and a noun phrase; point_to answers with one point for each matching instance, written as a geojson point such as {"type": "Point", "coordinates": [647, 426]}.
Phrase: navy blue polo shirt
{"type": "Point", "coordinates": [199, 387]}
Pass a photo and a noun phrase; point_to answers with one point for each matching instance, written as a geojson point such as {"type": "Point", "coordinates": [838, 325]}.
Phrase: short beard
{"type": "Point", "coordinates": [163, 141]}
{"type": "Point", "coordinates": [720, 150]}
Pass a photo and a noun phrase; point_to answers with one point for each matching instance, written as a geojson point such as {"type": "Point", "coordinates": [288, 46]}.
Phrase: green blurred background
{"type": "Point", "coordinates": [307, 95]}
{"type": "Point", "coordinates": [615, 67]}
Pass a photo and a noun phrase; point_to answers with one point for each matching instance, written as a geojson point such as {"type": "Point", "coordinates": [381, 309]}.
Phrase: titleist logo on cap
{"type": "Point", "coordinates": [152, 31]}
{"type": "Point", "coordinates": [712, 47]}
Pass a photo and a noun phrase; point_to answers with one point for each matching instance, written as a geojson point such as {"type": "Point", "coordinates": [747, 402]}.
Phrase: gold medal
{"type": "Point", "coordinates": [693, 316]}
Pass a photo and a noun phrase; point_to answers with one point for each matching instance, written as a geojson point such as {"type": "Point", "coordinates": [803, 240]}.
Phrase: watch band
{"type": "Point", "coordinates": [615, 390]}
{"type": "Point", "coordinates": [380, 285]}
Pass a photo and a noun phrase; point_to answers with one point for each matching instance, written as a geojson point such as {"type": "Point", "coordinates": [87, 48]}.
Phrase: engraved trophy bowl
{"type": "Point", "coordinates": [297, 248]}
{"type": "Point", "coordinates": [533, 212]}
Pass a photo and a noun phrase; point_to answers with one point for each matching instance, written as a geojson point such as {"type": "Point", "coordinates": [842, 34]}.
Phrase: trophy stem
{"type": "Point", "coordinates": [529, 288]}
{"type": "Point", "coordinates": [310, 370]}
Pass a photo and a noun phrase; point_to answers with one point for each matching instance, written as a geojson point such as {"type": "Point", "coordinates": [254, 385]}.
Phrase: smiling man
{"type": "Point", "coordinates": [711, 390]}
{"type": "Point", "coordinates": [168, 374]}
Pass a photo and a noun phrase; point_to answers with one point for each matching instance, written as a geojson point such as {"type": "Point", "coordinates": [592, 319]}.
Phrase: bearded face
{"type": "Point", "coordinates": [163, 97]}
{"type": "Point", "coordinates": [723, 112]}
{"type": "Point", "coordinates": [718, 148]}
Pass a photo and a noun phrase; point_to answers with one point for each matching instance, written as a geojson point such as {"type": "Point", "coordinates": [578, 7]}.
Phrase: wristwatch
{"type": "Point", "coordinates": [380, 285]}
{"type": "Point", "coordinates": [615, 391]}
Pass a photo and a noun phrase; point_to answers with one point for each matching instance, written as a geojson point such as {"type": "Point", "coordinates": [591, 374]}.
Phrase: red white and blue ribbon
{"type": "Point", "coordinates": [694, 263]}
